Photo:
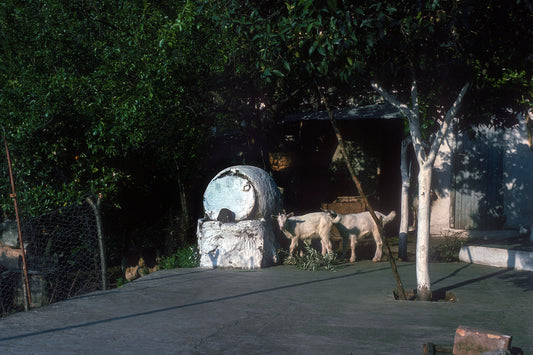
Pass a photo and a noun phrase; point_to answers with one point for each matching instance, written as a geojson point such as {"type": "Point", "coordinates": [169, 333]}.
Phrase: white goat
{"type": "Point", "coordinates": [359, 225]}
{"type": "Point", "coordinates": [316, 225]}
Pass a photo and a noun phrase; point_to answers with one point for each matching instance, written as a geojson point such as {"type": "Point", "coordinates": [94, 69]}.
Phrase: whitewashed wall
{"type": "Point", "coordinates": [517, 179]}
{"type": "Point", "coordinates": [442, 180]}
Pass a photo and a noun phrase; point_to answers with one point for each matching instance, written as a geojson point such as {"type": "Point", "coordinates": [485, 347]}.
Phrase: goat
{"type": "Point", "coordinates": [360, 225]}
{"type": "Point", "coordinates": [316, 225]}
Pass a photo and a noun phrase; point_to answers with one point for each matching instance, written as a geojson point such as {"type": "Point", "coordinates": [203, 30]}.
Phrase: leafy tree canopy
{"type": "Point", "coordinates": [103, 96]}
{"type": "Point", "coordinates": [341, 47]}
{"type": "Point", "coordinates": [107, 96]}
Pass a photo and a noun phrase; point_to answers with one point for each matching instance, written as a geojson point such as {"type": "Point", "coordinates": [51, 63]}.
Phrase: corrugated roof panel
{"type": "Point", "coordinates": [380, 111]}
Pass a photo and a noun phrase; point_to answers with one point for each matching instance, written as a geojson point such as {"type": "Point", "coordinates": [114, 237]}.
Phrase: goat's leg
{"type": "Point", "coordinates": [344, 244]}
{"type": "Point", "coordinates": [323, 246]}
{"type": "Point", "coordinates": [294, 244]}
{"type": "Point", "coordinates": [353, 243]}
{"type": "Point", "coordinates": [379, 245]}
{"type": "Point", "coordinates": [326, 245]}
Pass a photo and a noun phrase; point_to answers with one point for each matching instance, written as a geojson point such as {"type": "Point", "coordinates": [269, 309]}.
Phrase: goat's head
{"type": "Point", "coordinates": [281, 218]}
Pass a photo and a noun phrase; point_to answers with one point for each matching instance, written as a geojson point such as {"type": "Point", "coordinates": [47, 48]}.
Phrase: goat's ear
{"type": "Point", "coordinates": [290, 214]}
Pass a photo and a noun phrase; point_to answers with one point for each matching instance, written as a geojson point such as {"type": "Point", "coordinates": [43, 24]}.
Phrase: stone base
{"type": "Point", "coordinates": [248, 244]}
{"type": "Point", "coordinates": [9, 257]}
{"type": "Point", "coordinates": [12, 293]}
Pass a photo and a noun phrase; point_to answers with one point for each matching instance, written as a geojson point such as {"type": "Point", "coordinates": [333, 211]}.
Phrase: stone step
{"type": "Point", "coordinates": [498, 257]}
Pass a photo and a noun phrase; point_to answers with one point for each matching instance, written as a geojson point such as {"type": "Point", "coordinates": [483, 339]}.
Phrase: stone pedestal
{"type": "Point", "coordinates": [238, 229]}
{"type": "Point", "coordinates": [248, 244]}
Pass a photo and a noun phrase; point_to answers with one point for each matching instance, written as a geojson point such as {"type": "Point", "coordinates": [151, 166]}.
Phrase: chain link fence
{"type": "Point", "coordinates": [62, 253]}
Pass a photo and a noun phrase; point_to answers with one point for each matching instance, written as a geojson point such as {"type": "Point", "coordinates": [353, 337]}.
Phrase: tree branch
{"type": "Point", "coordinates": [378, 221]}
{"type": "Point", "coordinates": [452, 112]}
{"type": "Point", "coordinates": [412, 117]}
{"type": "Point", "coordinates": [414, 100]}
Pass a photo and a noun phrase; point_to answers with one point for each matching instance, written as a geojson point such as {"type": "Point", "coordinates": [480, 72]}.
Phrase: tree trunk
{"type": "Point", "coordinates": [426, 160]}
{"type": "Point", "coordinates": [182, 237]}
{"type": "Point", "coordinates": [529, 129]}
{"type": "Point", "coordinates": [423, 232]}
{"type": "Point", "coordinates": [404, 209]}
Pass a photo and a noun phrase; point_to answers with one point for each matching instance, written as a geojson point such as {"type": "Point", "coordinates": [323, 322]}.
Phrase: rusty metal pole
{"type": "Point", "coordinates": [13, 195]}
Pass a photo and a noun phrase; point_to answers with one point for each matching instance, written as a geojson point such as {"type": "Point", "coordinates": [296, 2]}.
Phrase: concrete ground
{"type": "Point", "coordinates": [278, 310]}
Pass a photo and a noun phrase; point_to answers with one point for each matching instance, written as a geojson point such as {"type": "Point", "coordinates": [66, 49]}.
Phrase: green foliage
{"type": "Point", "coordinates": [447, 249]}
{"type": "Point", "coordinates": [339, 47]}
{"type": "Point", "coordinates": [121, 282]}
{"type": "Point", "coordinates": [185, 257]}
{"type": "Point", "coordinates": [102, 97]}
{"type": "Point", "coordinates": [311, 259]}
{"type": "Point", "coordinates": [110, 97]}
{"type": "Point", "coordinates": [364, 162]}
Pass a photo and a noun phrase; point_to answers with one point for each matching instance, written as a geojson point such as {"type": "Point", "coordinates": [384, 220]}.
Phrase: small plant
{"type": "Point", "coordinates": [448, 249]}
{"type": "Point", "coordinates": [182, 258]}
{"type": "Point", "coordinates": [311, 259]}
{"type": "Point", "coordinates": [121, 282]}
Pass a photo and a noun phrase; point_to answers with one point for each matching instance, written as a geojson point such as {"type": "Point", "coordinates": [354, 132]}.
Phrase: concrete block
{"type": "Point", "coordinates": [246, 244]}
{"type": "Point", "coordinates": [475, 341]}
{"type": "Point", "coordinates": [12, 293]}
{"type": "Point", "coordinates": [512, 259]}
{"type": "Point", "coordinates": [10, 257]}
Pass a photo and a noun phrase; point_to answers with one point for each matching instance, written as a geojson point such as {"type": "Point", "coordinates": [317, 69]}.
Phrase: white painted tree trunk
{"type": "Point", "coordinates": [425, 155]}
{"type": "Point", "coordinates": [423, 232]}
{"type": "Point", "coordinates": [404, 208]}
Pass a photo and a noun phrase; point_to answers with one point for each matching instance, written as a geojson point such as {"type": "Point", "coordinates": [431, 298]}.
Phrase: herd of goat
{"type": "Point", "coordinates": [317, 225]}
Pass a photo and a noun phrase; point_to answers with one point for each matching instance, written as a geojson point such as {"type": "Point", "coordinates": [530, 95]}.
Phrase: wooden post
{"type": "Point", "coordinates": [97, 209]}
{"type": "Point", "coordinates": [184, 209]}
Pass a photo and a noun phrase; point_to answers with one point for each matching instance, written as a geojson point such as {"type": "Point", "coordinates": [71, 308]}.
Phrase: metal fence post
{"type": "Point", "coordinates": [26, 284]}
{"type": "Point", "coordinates": [97, 208]}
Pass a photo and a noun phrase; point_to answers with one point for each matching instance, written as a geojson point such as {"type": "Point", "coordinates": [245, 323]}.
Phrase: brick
{"type": "Point", "coordinates": [474, 341]}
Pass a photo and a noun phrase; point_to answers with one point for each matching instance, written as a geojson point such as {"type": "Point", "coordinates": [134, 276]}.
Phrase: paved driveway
{"type": "Point", "coordinates": [278, 310]}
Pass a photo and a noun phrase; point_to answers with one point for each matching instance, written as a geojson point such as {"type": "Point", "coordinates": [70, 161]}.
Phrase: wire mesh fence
{"type": "Point", "coordinates": [62, 254]}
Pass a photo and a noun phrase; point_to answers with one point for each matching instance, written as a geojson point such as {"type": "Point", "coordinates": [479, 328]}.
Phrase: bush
{"type": "Point", "coordinates": [448, 249]}
{"type": "Point", "coordinates": [184, 257]}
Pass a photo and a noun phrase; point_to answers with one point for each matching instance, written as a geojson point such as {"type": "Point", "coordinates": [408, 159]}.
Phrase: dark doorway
{"type": "Point", "coordinates": [317, 177]}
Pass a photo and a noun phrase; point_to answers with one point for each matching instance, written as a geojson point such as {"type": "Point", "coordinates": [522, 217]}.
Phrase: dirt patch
{"type": "Point", "coordinates": [436, 296]}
